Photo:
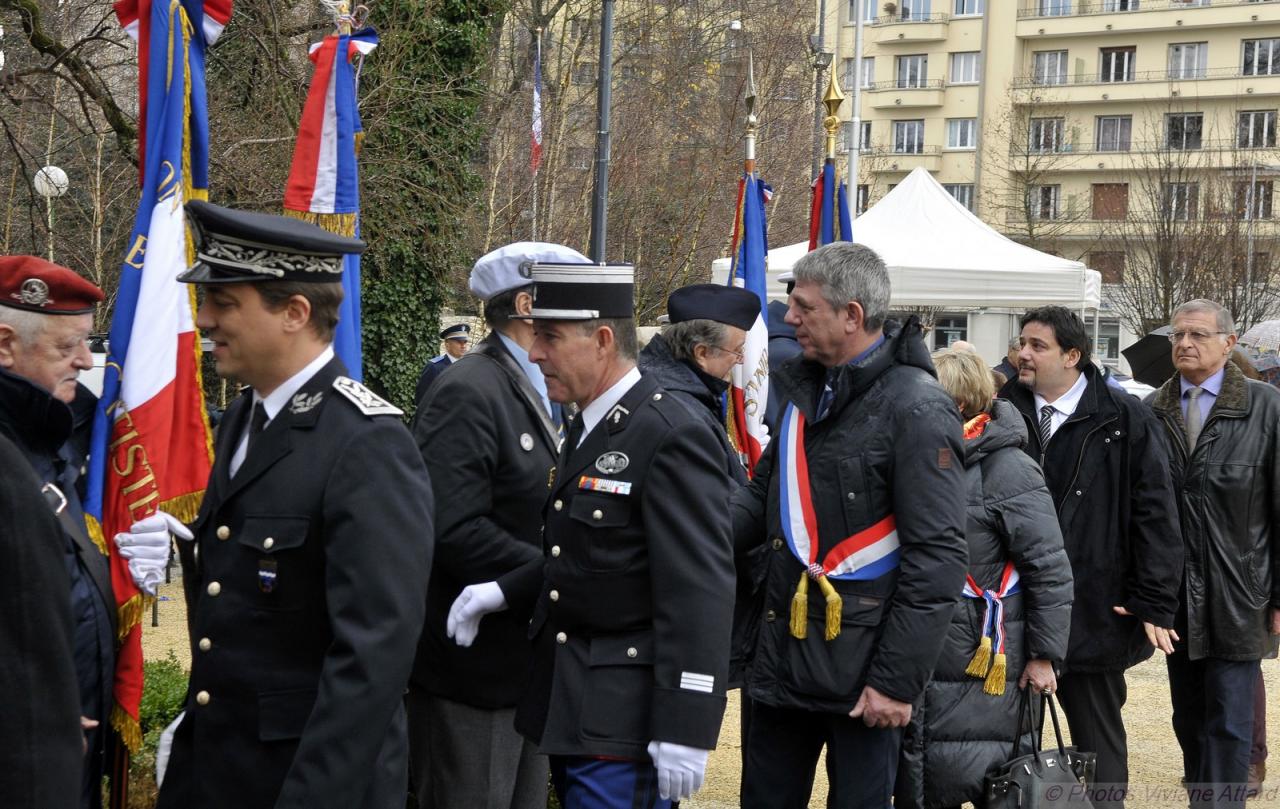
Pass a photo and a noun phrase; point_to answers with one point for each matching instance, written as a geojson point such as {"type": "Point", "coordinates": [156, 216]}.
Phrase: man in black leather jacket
{"type": "Point", "coordinates": [1223, 433]}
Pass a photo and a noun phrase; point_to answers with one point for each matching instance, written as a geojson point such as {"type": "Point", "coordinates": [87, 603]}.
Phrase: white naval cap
{"type": "Point", "coordinates": [507, 268]}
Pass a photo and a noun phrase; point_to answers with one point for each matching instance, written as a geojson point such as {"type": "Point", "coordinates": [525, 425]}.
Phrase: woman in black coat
{"type": "Point", "coordinates": [1010, 629]}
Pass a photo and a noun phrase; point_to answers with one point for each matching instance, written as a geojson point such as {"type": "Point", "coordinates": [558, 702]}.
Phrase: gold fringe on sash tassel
{"type": "Point", "coordinates": [995, 678]}
{"type": "Point", "coordinates": [981, 660]}
{"type": "Point", "coordinates": [800, 609]}
{"type": "Point", "coordinates": [834, 607]}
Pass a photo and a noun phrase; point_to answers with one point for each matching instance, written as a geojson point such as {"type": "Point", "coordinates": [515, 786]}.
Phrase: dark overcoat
{"type": "Point", "coordinates": [635, 599]}
{"type": "Point", "coordinates": [40, 739]}
{"type": "Point", "coordinates": [490, 446]}
{"type": "Point", "coordinates": [305, 587]}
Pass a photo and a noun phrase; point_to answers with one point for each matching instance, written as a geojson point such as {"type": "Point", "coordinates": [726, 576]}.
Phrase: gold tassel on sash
{"type": "Point", "coordinates": [995, 678]}
{"type": "Point", "coordinates": [981, 661]}
{"type": "Point", "coordinates": [800, 608]}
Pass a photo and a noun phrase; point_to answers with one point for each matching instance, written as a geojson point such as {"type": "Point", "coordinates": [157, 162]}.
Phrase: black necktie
{"type": "Point", "coordinates": [1046, 425]}
{"type": "Point", "coordinates": [256, 423]}
{"type": "Point", "coordinates": [575, 435]}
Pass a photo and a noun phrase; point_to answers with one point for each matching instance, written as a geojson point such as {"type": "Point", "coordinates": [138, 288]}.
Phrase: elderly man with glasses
{"type": "Point", "coordinates": [1223, 432]}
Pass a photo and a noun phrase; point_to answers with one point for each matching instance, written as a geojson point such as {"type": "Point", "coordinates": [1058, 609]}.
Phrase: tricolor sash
{"type": "Point", "coordinates": [868, 554]}
{"type": "Point", "coordinates": [982, 665]}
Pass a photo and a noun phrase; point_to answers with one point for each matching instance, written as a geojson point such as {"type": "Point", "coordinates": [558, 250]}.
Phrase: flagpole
{"type": "Point", "coordinates": [533, 208]}
{"type": "Point", "coordinates": [832, 101]}
{"type": "Point", "coordinates": [604, 96]}
{"type": "Point", "coordinates": [855, 139]}
{"type": "Point", "coordinates": [750, 100]}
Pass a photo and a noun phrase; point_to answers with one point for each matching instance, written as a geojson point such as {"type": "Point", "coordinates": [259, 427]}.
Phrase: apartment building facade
{"type": "Point", "coordinates": [1082, 127]}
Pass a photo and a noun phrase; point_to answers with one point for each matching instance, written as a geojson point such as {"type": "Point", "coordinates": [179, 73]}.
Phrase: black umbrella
{"type": "Point", "coordinates": [1151, 358]}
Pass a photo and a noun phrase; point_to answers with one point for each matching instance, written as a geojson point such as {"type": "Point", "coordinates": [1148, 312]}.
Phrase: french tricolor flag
{"type": "Point", "coordinates": [749, 384]}
{"type": "Point", "coordinates": [535, 134]}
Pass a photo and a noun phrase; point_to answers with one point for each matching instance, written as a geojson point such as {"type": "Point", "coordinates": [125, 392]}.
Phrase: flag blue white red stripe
{"type": "Point", "coordinates": [324, 180]}
{"type": "Point", "coordinates": [993, 614]}
{"type": "Point", "coordinates": [829, 219]}
{"type": "Point", "coordinates": [867, 554]}
{"type": "Point", "coordinates": [749, 383]}
{"type": "Point", "coordinates": [535, 133]}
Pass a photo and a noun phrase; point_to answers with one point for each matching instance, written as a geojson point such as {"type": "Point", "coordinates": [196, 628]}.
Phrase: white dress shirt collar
{"type": "Point", "coordinates": [1065, 405]}
{"type": "Point", "coordinates": [598, 409]}
{"type": "Point", "coordinates": [275, 401]}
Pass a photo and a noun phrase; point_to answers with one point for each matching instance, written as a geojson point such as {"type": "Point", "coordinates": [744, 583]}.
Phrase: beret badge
{"type": "Point", "coordinates": [33, 292]}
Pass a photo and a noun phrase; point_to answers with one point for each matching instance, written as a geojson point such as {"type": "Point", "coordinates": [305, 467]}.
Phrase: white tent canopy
{"type": "Point", "coordinates": [940, 254]}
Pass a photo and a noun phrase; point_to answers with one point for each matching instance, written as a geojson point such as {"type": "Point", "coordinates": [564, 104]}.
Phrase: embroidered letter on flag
{"type": "Point", "coordinates": [151, 443]}
{"type": "Point", "coordinates": [324, 180]}
{"type": "Point", "coordinates": [749, 386]}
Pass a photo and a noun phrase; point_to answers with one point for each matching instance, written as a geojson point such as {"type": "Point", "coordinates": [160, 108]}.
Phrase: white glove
{"type": "Point", "coordinates": [473, 603]}
{"type": "Point", "coordinates": [165, 746]}
{"type": "Point", "coordinates": [680, 769]}
{"type": "Point", "coordinates": [146, 546]}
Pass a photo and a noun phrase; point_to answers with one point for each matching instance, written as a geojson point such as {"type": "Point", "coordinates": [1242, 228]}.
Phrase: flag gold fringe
{"type": "Point", "coordinates": [343, 224]}
{"type": "Point", "coordinates": [359, 139]}
{"type": "Point", "coordinates": [94, 528]}
{"type": "Point", "coordinates": [995, 678]}
{"type": "Point", "coordinates": [128, 728]}
{"type": "Point", "coordinates": [184, 506]}
{"type": "Point", "coordinates": [981, 662]}
{"type": "Point", "coordinates": [800, 609]}
{"type": "Point", "coordinates": [130, 613]}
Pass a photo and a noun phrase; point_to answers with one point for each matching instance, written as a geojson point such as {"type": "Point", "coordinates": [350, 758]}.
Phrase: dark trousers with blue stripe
{"type": "Point", "coordinates": [592, 783]}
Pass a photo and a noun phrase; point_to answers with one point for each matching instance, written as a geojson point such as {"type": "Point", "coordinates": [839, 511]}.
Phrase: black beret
{"type": "Point", "coordinates": [732, 306]}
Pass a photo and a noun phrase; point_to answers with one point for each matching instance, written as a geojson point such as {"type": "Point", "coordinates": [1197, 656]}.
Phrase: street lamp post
{"type": "Point", "coordinates": [821, 60]}
{"type": "Point", "coordinates": [1251, 214]}
{"type": "Point", "coordinates": [50, 182]}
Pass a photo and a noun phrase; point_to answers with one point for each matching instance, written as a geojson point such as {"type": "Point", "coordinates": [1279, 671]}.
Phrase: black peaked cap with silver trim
{"type": "Point", "coordinates": [244, 247]}
{"type": "Point", "coordinates": [582, 291]}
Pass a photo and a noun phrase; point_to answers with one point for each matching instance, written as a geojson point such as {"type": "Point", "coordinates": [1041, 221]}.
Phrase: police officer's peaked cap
{"type": "Point", "coordinates": [733, 306]}
{"type": "Point", "coordinates": [458, 331]}
{"type": "Point", "coordinates": [238, 247]}
{"type": "Point", "coordinates": [507, 268]}
{"type": "Point", "coordinates": [582, 291]}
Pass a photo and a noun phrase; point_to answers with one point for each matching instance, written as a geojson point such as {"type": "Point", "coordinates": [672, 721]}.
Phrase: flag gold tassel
{"type": "Point", "coordinates": [128, 728]}
{"type": "Point", "coordinates": [800, 609]}
{"type": "Point", "coordinates": [981, 660]}
{"type": "Point", "coordinates": [995, 678]}
{"type": "Point", "coordinates": [343, 224]}
{"type": "Point", "coordinates": [835, 606]}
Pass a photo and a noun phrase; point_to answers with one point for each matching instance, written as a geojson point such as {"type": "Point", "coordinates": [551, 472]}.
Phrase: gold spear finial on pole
{"type": "Point", "coordinates": [832, 101]}
{"type": "Point", "coordinates": [749, 98]}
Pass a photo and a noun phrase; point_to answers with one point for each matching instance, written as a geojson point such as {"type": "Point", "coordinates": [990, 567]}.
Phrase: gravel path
{"type": "Point", "coordinates": [1154, 758]}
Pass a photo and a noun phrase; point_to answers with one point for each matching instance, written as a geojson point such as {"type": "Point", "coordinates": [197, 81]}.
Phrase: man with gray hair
{"type": "Point", "coordinates": [859, 501]}
{"type": "Point", "coordinates": [1224, 453]}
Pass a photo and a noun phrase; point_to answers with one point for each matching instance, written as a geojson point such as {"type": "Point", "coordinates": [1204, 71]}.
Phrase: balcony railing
{"type": "Point", "coordinates": [911, 16]}
{"type": "Point", "coordinates": [905, 84]}
{"type": "Point", "coordinates": [1072, 8]}
{"type": "Point", "coordinates": [1140, 147]}
{"type": "Point", "coordinates": [1140, 76]}
{"type": "Point", "coordinates": [890, 152]}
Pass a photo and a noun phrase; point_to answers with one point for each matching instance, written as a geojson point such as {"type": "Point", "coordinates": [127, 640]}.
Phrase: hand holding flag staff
{"type": "Point", "coordinates": [749, 386]}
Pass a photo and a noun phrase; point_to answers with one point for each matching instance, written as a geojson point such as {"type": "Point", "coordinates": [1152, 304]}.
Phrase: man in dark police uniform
{"type": "Point", "coordinates": [634, 600]}
{"type": "Point", "coordinates": [455, 339]}
{"type": "Point", "coordinates": [306, 581]}
{"type": "Point", "coordinates": [489, 436]}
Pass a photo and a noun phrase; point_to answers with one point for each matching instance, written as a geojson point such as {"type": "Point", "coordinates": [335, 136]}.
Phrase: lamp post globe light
{"type": "Point", "coordinates": [50, 182]}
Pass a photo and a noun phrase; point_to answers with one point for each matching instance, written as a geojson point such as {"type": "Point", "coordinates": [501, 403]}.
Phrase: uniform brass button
{"type": "Point", "coordinates": [562, 638]}
{"type": "Point", "coordinates": [554, 595]}
{"type": "Point", "coordinates": [852, 495]}
{"type": "Point", "coordinates": [205, 644]}
{"type": "Point", "coordinates": [597, 515]}
{"type": "Point", "coordinates": [657, 397]}
{"type": "Point", "coordinates": [223, 532]}
{"type": "Point", "coordinates": [770, 616]}
{"type": "Point", "coordinates": [631, 651]}
{"type": "Point", "coordinates": [1078, 493]}
{"type": "Point", "coordinates": [555, 550]}
{"type": "Point", "coordinates": [202, 698]}
{"type": "Point", "coordinates": [268, 542]}
{"type": "Point", "coordinates": [214, 588]}
{"type": "Point", "coordinates": [557, 505]}
{"type": "Point", "coordinates": [777, 543]}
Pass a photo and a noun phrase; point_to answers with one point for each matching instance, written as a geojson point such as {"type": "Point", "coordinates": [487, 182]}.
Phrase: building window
{"type": "Point", "coordinates": [1256, 129]}
{"type": "Point", "coordinates": [961, 133]}
{"type": "Point", "coordinates": [965, 68]}
{"type": "Point", "coordinates": [1107, 348]}
{"type": "Point", "coordinates": [860, 201]}
{"type": "Point", "coordinates": [580, 157]}
{"type": "Point", "coordinates": [868, 9]}
{"type": "Point", "coordinates": [1261, 57]}
{"type": "Point", "coordinates": [913, 70]}
{"type": "Point", "coordinates": [1054, 8]}
{"type": "Point", "coordinates": [1045, 135]}
{"type": "Point", "coordinates": [1110, 201]}
{"type": "Point", "coordinates": [1184, 130]}
{"type": "Point", "coordinates": [868, 73]}
{"type": "Point", "coordinates": [949, 328]}
{"type": "Point", "coordinates": [1113, 133]}
{"type": "Point", "coordinates": [1116, 64]}
{"type": "Point", "coordinates": [864, 143]}
{"type": "Point", "coordinates": [1255, 205]}
{"type": "Point", "coordinates": [584, 73]}
{"type": "Point", "coordinates": [968, 8]}
{"type": "Point", "coordinates": [1182, 200]}
{"type": "Point", "coordinates": [908, 137]}
{"type": "Point", "coordinates": [1050, 67]}
{"type": "Point", "coordinates": [1120, 5]}
{"type": "Point", "coordinates": [963, 192]}
{"type": "Point", "coordinates": [1110, 263]}
{"type": "Point", "coordinates": [1188, 60]}
{"type": "Point", "coordinates": [1043, 201]}
{"type": "Point", "coordinates": [914, 9]}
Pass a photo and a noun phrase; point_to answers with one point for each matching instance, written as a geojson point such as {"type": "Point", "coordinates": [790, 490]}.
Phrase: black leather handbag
{"type": "Point", "coordinates": [1041, 779]}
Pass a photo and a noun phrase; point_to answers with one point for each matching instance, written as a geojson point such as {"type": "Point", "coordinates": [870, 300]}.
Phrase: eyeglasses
{"type": "Point", "coordinates": [740, 353]}
{"type": "Point", "coordinates": [1175, 337]}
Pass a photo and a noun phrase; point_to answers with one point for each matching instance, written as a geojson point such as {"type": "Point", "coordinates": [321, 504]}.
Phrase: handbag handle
{"type": "Point", "coordinates": [1026, 719]}
{"type": "Point", "coordinates": [1047, 699]}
